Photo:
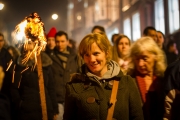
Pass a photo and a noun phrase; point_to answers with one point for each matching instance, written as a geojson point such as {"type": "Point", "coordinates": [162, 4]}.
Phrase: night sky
{"type": "Point", "coordinates": [16, 10]}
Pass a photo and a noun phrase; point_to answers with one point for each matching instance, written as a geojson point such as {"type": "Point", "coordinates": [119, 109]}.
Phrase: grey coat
{"type": "Point", "coordinates": [62, 75]}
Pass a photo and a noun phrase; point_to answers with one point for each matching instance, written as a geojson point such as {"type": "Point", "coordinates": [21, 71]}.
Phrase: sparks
{"type": "Point", "coordinates": [31, 31]}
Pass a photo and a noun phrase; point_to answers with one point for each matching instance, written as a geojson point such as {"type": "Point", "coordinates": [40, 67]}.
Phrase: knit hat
{"type": "Point", "coordinates": [52, 32]}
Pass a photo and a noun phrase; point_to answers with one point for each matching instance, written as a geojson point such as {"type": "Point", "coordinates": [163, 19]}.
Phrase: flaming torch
{"type": "Point", "coordinates": [31, 30]}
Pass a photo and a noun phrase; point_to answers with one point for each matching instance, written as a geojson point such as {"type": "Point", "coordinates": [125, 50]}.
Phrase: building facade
{"type": "Point", "coordinates": [129, 17]}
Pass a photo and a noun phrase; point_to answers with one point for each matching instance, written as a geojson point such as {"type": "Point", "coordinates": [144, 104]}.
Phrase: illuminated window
{"type": "Point", "coordinates": [136, 26]}
{"type": "Point", "coordinates": [159, 15]}
{"type": "Point", "coordinates": [71, 5]}
{"type": "Point", "coordinates": [127, 28]}
{"type": "Point", "coordinates": [173, 15]}
{"type": "Point", "coordinates": [85, 3]}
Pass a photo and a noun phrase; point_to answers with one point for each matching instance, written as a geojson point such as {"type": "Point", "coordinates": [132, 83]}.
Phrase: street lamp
{"type": "Point", "coordinates": [1, 6]}
{"type": "Point", "coordinates": [54, 16]}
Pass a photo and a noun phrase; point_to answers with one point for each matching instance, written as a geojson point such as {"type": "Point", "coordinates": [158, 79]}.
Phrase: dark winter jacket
{"type": "Point", "coordinates": [5, 58]}
{"type": "Point", "coordinates": [25, 90]}
{"type": "Point", "coordinates": [4, 108]}
{"type": "Point", "coordinates": [87, 96]}
{"type": "Point", "coordinates": [172, 91]}
{"type": "Point", "coordinates": [61, 74]}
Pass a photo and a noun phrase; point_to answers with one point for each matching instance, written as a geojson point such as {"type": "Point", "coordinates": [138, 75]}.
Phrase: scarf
{"type": "Point", "coordinates": [63, 56]}
{"type": "Point", "coordinates": [123, 63]}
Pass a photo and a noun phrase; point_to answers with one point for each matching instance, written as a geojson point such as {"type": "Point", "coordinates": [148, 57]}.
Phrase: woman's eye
{"type": "Point", "coordinates": [86, 55]}
{"type": "Point", "coordinates": [96, 53]}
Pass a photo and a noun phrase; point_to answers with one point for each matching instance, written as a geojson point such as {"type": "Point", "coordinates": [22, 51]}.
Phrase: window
{"type": "Point", "coordinates": [71, 5]}
{"type": "Point", "coordinates": [136, 26]}
{"type": "Point", "coordinates": [173, 15]}
{"type": "Point", "coordinates": [127, 28]}
{"type": "Point", "coordinates": [85, 4]}
{"type": "Point", "coordinates": [159, 15]}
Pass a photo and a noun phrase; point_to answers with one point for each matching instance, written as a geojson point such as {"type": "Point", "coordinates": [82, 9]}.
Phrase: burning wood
{"type": "Point", "coordinates": [33, 39]}
{"type": "Point", "coordinates": [31, 30]}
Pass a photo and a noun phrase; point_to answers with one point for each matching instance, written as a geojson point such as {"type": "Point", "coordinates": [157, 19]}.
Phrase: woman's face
{"type": "Point", "coordinates": [160, 39]}
{"type": "Point", "coordinates": [145, 62]}
{"type": "Point", "coordinates": [123, 47]}
{"type": "Point", "coordinates": [96, 60]}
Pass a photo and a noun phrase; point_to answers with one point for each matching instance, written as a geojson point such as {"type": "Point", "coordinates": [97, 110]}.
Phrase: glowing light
{"type": "Point", "coordinates": [1, 6]}
{"type": "Point", "coordinates": [78, 17]}
{"type": "Point", "coordinates": [96, 6]}
{"type": "Point", "coordinates": [85, 4]}
{"type": "Point", "coordinates": [125, 8]}
{"type": "Point", "coordinates": [31, 33]}
{"type": "Point", "coordinates": [20, 34]}
{"type": "Point", "coordinates": [71, 6]}
{"type": "Point", "coordinates": [54, 16]}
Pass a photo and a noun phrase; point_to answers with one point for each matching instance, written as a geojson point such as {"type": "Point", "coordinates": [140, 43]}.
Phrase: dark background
{"type": "Point", "coordinates": [15, 11]}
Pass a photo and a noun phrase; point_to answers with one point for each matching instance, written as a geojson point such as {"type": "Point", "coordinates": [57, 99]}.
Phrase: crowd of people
{"type": "Point", "coordinates": [99, 79]}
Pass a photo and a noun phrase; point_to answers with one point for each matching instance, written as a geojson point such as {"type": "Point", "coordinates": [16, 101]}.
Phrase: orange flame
{"type": "Point", "coordinates": [31, 30]}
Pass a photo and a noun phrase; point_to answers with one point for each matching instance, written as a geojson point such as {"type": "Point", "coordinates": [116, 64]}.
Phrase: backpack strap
{"type": "Point", "coordinates": [113, 99]}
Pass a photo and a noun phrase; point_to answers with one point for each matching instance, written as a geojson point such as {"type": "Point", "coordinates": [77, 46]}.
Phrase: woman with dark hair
{"type": "Point", "coordinates": [98, 29]}
{"type": "Point", "coordinates": [161, 40]}
{"type": "Point", "coordinates": [120, 52]}
{"type": "Point", "coordinates": [88, 93]}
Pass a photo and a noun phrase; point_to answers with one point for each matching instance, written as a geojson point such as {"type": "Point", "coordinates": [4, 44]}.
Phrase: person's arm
{"type": "Point", "coordinates": [70, 109]}
{"type": "Point", "coordinates": [169, 98]}
{"type": "Point", "coordinates": [135, 103]}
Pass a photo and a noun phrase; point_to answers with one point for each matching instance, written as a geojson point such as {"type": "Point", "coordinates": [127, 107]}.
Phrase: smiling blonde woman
{"type": "Point", "coordinates": [88, 92]}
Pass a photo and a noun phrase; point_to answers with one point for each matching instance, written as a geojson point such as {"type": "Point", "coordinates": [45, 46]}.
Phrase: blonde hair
{"type": "Point", "coordinates": [100, 39]}
{"type": "Point", "coordinates": [148, 44]}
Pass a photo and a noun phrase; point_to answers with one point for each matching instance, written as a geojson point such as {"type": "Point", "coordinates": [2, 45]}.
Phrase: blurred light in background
{"type": "Point", "coordinates": [54, 16]}
{"type": "Point", "coordinates": [71, 6]}
{"type": "Point", "coordinates": [79, 17]}
{"type": "Point", "coordinates": [1, 6]}
{"type": "Point", "coordinates": [86, 4]}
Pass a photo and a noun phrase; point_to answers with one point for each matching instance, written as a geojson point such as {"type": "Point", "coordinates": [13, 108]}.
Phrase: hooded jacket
{"type": "Point", "coordinates": [87, 96]}
{"type": "Point", "coordinates": [25, 90]}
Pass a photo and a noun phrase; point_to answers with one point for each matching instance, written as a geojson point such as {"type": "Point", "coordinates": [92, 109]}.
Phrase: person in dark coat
{"type": "Point", "coordinates": [172, 52]}
{"type": "Point", "coordinates": [65, 62]}
{"type": "Point", "coordinates": [5, 59]}
{"type": "Point", "coordinates": [88, 93]}
{"type": "Point", "coordinates": [172, 91]}
{"type": "Point", "coordinates": [4, 101]}
{"type": "Point", "coordinates": [25, 90]}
